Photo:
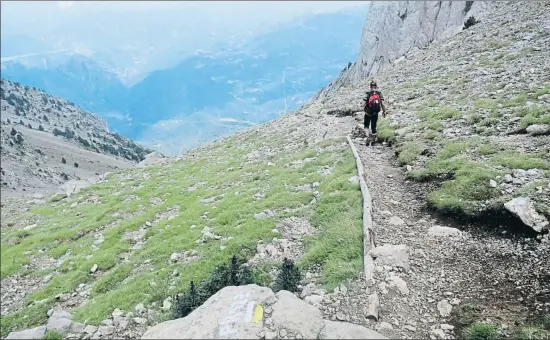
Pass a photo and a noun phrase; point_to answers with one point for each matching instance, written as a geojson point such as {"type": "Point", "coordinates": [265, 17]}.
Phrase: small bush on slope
{"type": "Point", "coordinates": [288, 278]}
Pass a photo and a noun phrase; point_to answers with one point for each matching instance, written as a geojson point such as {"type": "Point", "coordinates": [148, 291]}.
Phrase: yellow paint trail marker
{"type": "Point", "coordinates": [258, 314]}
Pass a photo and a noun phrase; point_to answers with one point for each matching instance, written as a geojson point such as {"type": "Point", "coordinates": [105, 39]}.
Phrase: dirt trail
{"type": "Point", "coordinates": [447, 268]}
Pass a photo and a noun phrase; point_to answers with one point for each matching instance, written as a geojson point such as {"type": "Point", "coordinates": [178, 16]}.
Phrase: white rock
{"type": "Point", "coordinates": [345, 330]}
{"type": "Point", "coordinates": [382, 326]}
{"type": "Point", "coordinates": [227, 314]}
{"type": "Point", "coordinates": [524, 209]}
{"type": "Point", "coordinates": [93, 269]}
{"type": "Point", "coordinates": [444, 231]}
{"type": "Point", "coordinates": [391, 255]}
{"type": "Point", "coordinates": [140, 321]}
{"type": "Point", "coordinates": [33, 333]}
{"type": "Point", "coordinates": [140, 308]}
{"type": "Point", "coordinates": [314, 300]}
{"type": "Point", "coordinates": [401, 285]}
{"type": "Point", "coordinates": [439, 334]}
{"type": "Point", "coordinates": [538, 129]}
{"type": "Point", "coordinates": [59, 321]}
{"type": "Point", "coordinates": [397, 221]}
{"type": "Point", "coordinates": [445, 308]}
{"type": "Point", "coordinates": [89, 329]}
{"type": "Point", "coordinates": [447, 327]}
{"type": "Point", "coordinates": [167, 303]}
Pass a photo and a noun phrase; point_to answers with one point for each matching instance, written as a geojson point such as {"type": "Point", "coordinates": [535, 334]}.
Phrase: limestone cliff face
{"type": "Point", "coordinates": [396, 28]}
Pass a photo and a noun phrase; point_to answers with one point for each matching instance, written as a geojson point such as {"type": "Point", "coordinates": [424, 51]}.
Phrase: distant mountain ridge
{"type": "Point", "coordinates": [253, 83]}
{"type": "Point", "coordinates": [47, 141]}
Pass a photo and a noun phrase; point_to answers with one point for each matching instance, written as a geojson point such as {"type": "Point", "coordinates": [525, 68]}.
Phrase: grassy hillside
{"type": "Point", "coordinates": [223, 201]}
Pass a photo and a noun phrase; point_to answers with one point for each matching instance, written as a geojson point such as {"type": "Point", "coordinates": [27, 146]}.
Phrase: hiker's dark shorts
{"type": "Point", "coordinates": [371, 120]}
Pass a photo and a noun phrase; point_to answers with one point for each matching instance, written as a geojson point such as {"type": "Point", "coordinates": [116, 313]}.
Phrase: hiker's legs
{"type": "Point", "coordinates": [373, 121]}
{"type": "Point", "coordinates": [367, 123]}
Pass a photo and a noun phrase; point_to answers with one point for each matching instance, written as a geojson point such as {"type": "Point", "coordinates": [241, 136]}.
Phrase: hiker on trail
{"type": "Point", "coordinates": [373, 103]}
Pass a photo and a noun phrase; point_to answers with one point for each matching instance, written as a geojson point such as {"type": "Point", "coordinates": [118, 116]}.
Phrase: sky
{"type": "Point", "coordinates": [135, 38]}
{"type": "Point", "coordinates": [36, 17]}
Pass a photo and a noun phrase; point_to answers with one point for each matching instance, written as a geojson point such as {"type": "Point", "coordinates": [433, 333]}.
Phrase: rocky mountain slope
{"type": "Point", "coordinates": [394, 29]}
{"type": "Point", "coordinates": [473, 122]}
{"type": "Point", "coordinates": [460, 212]}
{"type": "Point", "coordinates": [47, 141]}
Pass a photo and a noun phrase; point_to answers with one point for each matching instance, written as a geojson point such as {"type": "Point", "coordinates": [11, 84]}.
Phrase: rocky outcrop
{"type": "Point", "coordinates": [525, 210]}
{"type": "Point", "coordinates": [152, 159]}
{"type": "Point", "coordinates": [394, 29]}
{"type": "Point", "coordinates": [254, 312]}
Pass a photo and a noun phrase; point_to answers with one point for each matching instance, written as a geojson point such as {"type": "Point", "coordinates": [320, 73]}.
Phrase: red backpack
{"type": "Point", "coordinates": [373, 103]}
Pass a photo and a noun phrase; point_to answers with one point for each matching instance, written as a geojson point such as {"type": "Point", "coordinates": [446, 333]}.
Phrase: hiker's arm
{"type": "Point", "coordinates": [384, 111]}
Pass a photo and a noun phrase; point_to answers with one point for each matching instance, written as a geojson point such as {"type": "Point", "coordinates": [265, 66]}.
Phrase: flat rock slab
{"type": "Point", "coordinates": [345, 330]}
{"type": "Point", "coordinates": [440, 231]}
{"type": "Point", "coordinates": [33, 333]}
{"type": "Point", "coordinates": [391, 255]}
{"type": "Point", "coordinates": [296, 316]}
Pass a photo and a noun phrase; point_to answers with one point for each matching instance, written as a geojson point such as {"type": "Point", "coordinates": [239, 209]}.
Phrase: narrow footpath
{"type": "Point", "coordinates": [429, 269]}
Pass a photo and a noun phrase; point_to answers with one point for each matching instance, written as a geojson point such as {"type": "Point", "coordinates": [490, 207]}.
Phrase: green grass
{"type": "Point", "coordinates": [468, 183]}
{"type": "Point", "coordinates": [521, 54]}
{"type": "Point", "coordinates": [440, 113]}
{"type": "Point", "coordinates": [52, 335]}
{"type": "Point", "coordinates": [531, 333]}
{"type": "Point", "coordinates": [540, 92]}
{"type": "Point", "coordinates": [493, 45]}
{"type": "Point", "coordinates": [468, 313]}
{"type": "Point", "coordinates": [518, 100]}
{"type": "Point", "coordinates": [385, 132]}
{"type": "Point", "coordinates": [486, 149]}
{"type": "Point", "coordinates": [500, 56]}
{"type": "Point", "coordinates": [533, 115]}
{"type": "Point", "coordinates": [473, 118]}
{"type": "Point", "coordinates": [484, 103]}
{"type": "Point", "coordinates": [465, 169]}
{"type": "Point", "coordinates": [515, 160]}
{"type": "Point", "coordinates": [463, 193]}
{"type": "Point", "coordinates": [431, 134]}
{"type": "Point", "coordinates": [409, 152]}
{"type": "Point", "coordinates": [337, 246]}
{"type": "Point", "coordinates": [480, 331]}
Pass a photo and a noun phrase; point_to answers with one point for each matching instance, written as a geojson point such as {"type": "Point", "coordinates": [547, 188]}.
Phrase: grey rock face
{"type": "Point", "coordinates": [394, 29]}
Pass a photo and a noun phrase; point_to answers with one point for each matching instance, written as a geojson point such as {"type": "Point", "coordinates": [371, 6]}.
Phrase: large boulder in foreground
{"type": "Point", "coordinates": [231, 313]}
{"type": "Point", "coordinates": [254, 312]}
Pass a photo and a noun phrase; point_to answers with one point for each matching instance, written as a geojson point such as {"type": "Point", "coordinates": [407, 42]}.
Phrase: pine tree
{"type": "Point", "coordinates": [288, 278]}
